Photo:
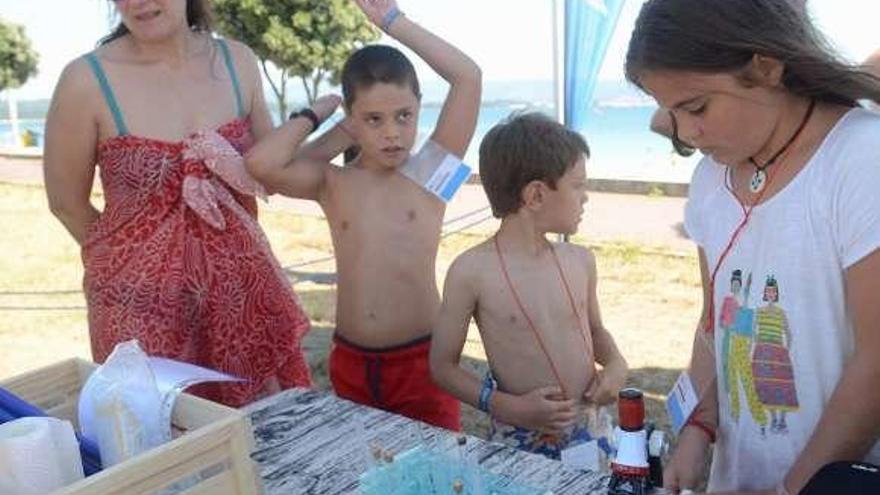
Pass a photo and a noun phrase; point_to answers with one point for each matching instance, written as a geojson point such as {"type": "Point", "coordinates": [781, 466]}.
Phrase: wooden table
{"type": "Point", "coordinates": [312, 442]}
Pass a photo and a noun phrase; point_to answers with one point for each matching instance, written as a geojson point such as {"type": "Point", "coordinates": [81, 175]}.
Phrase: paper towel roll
{"type": "Point", "coordinates": [37, 456]}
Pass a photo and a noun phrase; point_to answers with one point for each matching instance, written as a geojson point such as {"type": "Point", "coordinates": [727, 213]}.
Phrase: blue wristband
{"type": "Point", "coordinates": [486, 393]}
{"type": "Point", "coordinates": [389, 18]}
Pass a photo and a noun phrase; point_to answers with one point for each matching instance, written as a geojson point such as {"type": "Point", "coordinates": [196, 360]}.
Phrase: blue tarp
{"type": "Point", "coordinates": [589, 25]}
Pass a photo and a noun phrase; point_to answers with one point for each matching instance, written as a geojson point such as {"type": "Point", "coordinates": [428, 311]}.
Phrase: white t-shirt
{"type": "Point", "coordinates": [784, 358]}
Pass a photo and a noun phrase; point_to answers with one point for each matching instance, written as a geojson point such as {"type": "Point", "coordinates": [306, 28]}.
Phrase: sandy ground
{"type": "Point", "coordinates": [648, 279]}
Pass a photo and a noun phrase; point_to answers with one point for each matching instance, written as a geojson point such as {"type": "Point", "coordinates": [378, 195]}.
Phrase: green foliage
{"type": "Point", "coordinates": [308, 39]}
{"type": "Point", "coordinates": [656, 191]}
{"type": "Point", "coordinates": [18, 60]}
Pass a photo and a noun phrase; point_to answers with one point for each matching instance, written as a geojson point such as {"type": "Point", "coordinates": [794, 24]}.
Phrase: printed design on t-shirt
{"type": "Point", "coordinates": [737, 321]}
{"type": "Point", "coordinates": [771, 361]}
{"type": "Point", "coordinates": [755, 355]}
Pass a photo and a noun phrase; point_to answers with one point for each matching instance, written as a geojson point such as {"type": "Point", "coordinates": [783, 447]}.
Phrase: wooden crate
{"type": "Point", "coordinates": [216, 443]}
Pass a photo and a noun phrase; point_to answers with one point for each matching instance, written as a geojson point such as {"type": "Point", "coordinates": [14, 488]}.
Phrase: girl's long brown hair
{"type": "Point", "coordinates": [715, 36]}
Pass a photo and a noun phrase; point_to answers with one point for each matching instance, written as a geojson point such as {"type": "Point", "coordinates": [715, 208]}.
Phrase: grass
{"type": "Point", "coordinates": [648, 296]}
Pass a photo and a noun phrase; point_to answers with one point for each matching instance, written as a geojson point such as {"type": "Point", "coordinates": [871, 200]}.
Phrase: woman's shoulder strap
{"type": "Point", "coordinates": [230, 66]}
{"type": "Point", "coordinates": [107, 91]}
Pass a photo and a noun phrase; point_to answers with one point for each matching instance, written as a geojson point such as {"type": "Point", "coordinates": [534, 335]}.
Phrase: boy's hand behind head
{"type": "Point", "coordinates": [325, 105]}
{"type": "Point", "coordinates": [376, 9]}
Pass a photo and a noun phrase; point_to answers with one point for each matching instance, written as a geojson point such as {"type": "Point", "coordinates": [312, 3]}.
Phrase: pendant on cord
{"type": "Point", "coordinates": [759, 179]}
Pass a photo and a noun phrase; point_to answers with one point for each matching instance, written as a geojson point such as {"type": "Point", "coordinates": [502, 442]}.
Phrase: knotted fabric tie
{"type": "Point", "coordinates": [205, 194]}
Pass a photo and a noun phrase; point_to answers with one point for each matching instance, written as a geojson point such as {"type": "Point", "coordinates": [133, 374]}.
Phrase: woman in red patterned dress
{"type": "Point", "coordinates": [176, 258]}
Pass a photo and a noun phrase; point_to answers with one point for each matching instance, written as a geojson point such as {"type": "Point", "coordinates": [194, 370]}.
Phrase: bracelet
{"type": "Point", "coordinates": [486, 393]}
{"type": "Point", "coordinates": [309, 114]}
{"type": "Point", "coordinates": [708, 430]}
{"type": "Point", "coordinates": [389, 18]}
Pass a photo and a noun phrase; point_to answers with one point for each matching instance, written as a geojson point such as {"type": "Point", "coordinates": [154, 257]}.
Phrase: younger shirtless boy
{"type": "Point", "coordinates": [385, 227]}
{"type": "Point", "coordinates": [534, 301]}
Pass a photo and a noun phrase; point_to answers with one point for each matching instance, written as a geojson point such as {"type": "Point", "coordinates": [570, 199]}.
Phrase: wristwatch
{"type": "Point", "coordinates": [309, 114]}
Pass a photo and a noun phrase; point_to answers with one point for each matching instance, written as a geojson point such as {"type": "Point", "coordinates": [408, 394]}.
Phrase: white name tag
{"type": "Point", "coordinates": [448, 178]}
{"type": "Point", "coordinates": [681, 402]}
{"type": "Point", "coordinates": [582, 456]}
{"type": "Point", "coordinates": [436, 170]}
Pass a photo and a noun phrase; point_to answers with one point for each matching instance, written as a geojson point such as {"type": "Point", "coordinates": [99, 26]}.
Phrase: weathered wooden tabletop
{"type": "Point", "coordinates": [312, 442]}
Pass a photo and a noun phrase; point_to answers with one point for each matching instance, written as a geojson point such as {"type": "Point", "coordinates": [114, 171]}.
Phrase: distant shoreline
{"type": "Point", "coordinates": [622, 147]}
{"type": "Point", "coordinates": [534, 93]}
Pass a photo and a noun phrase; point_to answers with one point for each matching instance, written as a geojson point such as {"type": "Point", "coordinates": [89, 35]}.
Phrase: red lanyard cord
{"type": "Point", "coordinates": [571, 302]}
{"type": "Point", "coordinates": [531, 323]}
{"type": "Point", "coordinates": [747, 214]}
{"type": "Point", "coordinates": [747, 211]}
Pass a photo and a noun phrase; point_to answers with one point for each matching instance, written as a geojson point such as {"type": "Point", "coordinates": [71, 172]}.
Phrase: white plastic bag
{"type": "Point", "coordinates": [122, 408]}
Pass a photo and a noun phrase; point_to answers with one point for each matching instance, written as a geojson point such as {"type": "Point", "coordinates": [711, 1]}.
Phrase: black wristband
{"type": "Point", "coordinates": [309, 114]}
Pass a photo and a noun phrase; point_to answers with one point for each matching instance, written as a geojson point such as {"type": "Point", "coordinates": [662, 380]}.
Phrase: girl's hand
{"type": "Point", "coordinates": [688, 461]}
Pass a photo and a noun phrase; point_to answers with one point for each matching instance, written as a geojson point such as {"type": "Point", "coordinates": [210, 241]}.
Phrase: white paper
{"type": "Point", "coordinates": [171, 374]}
{"type": "Point", "coordinates": [681, 402]}
{"type": "Point", "coordinates": [38, 455]}
{"type": "Point", "coordinates": [582, 456]}
{"type": "Point", "coordinates": [173, 377]}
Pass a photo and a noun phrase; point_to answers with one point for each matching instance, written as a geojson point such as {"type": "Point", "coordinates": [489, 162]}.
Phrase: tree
{"type": "Point", "coordinates": [18, 60]}
{"type": "Point", "coordinates": [309, 39]}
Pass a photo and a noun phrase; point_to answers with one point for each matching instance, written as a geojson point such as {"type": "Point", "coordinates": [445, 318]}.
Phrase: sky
{"type": "Point", "coordinates": [510, 39]}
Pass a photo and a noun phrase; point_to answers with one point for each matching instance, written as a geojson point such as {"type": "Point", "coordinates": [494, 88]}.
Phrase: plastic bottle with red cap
{"type": "Point", "coordinates": [635, 467]}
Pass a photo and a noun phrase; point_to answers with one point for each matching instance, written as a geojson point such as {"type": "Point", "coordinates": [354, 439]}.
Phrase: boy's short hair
{"type": "Point", "coordinates": [523, 148]}
{"type": "Point", "coordinates": [377, 64]}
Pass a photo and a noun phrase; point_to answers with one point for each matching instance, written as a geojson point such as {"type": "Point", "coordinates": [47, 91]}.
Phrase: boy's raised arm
{"type": "Point", "coordinates": [274, 161]}
{"type": "Point", "coordinates": [458, 118]}
{"type": "Point", "coordinates": [328, 145]}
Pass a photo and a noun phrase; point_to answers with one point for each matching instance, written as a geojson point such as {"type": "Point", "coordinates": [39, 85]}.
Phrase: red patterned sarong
{"type": "Point", "coordinates": [178, 262]}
